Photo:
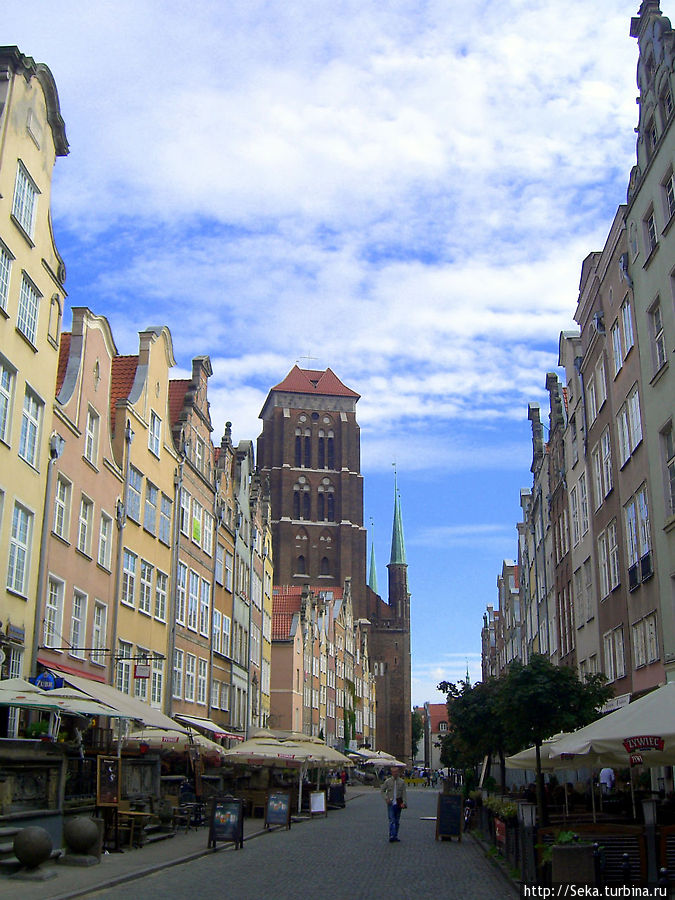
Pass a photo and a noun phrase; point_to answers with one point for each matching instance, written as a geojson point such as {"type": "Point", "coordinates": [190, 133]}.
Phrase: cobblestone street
{"type": "Point", "coordinates": [346, 855]}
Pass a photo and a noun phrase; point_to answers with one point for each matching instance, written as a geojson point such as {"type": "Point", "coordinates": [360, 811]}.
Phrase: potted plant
{"type": "Point", "coordinates": [571, 860]}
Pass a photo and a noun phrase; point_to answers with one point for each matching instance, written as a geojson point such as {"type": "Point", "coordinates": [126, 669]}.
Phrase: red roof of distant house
{"type": "Point", "coordinates": [311, 381]}
{"type": "Point", "coordinates": [438, 712]}
{"type": "Point", "coordinates": [177, 391]}
{"type": "Point", "coordinates": [286, 602]}
{"type": "Point", "coordinates": [64, 353]}
{"type": "Point", "coordinates": [121, 381]}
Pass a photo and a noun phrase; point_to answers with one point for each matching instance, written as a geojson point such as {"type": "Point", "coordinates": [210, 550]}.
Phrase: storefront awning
{"type": "Point", "coordinates": [122, 704]}
{"type": "Point", "coordinates": [212, 727]}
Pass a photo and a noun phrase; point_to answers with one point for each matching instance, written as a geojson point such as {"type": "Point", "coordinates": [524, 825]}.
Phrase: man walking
{"type": "Point", "coordinates": [394, 792]}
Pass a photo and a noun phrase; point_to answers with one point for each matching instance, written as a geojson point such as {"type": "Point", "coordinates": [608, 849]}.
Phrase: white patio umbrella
{"type": "Point", "coordinates": [166, 739]}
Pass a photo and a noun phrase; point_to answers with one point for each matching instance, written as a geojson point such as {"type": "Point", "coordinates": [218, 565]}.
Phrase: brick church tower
{"type": "Point", "coordinates": [310, 451]}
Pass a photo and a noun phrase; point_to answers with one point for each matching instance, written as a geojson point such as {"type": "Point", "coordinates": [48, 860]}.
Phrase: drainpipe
{"type": "Point", "coordinates": [56, 444]}
{"type": "Point", "coordinates": [175, 551]}
{"type": "Point", "coordinates": [120, 519]}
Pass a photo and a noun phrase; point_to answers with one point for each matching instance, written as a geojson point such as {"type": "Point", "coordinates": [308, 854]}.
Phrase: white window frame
{"type": "Point", "coordinates": [53, 619]}
{"type": "Point", "coordinates": [29, 309]}
{"type": "Point", "coordinates": [129, 574]}
{"type": "Point", "coordinates": [628, 329]}
{"type": "Point", "coordinates": [193, 601]}
{"type": "Point", "coordinates": [6, 260]}
{"type": "Point", "coordinates": [181, 592]}
{"type": "Point", "coordinates": [24, 204]}
{"type": "Point", "coordinates": [78, 624]}
{"type": "Point", "coordinates": [204, 607]}
{"type": "Point", "coordinates": [85, 523]}
{"type": "Point", "coordinates": [161, 594]}
{"type": "Point", "coordinates": [155, 434]}
{"type": "Point", "coordinates": [63, 492]}
{"type": "Point", "coordinates": [177, 687]}
{"type": "Point", "coordinates": [18, 567]}
{"type": "Point", "coordinates": [227, 635]}
{"type": "Point", "coordinates": [145, 588]}
{"type": "Point", "coordinates": [202, 670]}
{"type": "Point", "coordinates": [123, 667]}
{"type": "Point", "coordinates": [91, 436]}
{"type": "Point", "coordinates": [134, 493]}
{"type": "Point", "coordinates": [98, 632]}
{"type": "Point", "coordinates": [185, 519]}
{"type": "Point", "coordinates": [105, 541]}
{"type": "Point", "coordinates": [150, 508]}
{"type": "Point", "coordinates": [190, 676]}
{"type": "Point", "coordinates": [156, 681]}
{"type": "Point", "coordinates": [7, 383]}
{"type": "Point", "coordinates": [617, 348]}
{"type": "Point", "coordinates": [31, 422]}
{"type": "Point", "coordinates": [165, 510]}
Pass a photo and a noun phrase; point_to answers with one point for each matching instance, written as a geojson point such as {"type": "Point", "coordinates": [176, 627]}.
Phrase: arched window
{"type": "Point", "coordinates": [321, 506]}
{"type": "Point", "coordinates": [325, 566]}
{"type": "Point", "coordinates": [330, 506]}
{"type": "Point", "coordinates": [308, 450]}
{"type": "Point", "coordinates": [306, 505]}
{"type": "Point", "coordinates": [300, 565]}
{"type": "Point", "coordinates": [321, 463]}
{"type": "Point", "coordinates": [298, 449]}
{"type": "Point", "coordinates": [296, 504]}
{"type": "Point", "coordinates": [331, 450]}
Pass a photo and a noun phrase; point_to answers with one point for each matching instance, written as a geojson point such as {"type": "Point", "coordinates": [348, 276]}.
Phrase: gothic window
{"type": "Point", "coordinates": [330, 506]}
{"type": "Point", "coordinates": [298, 449]}
{"type": "Point", "coordinates": [308, 450]}
{"type": "Point", "coordinates": [325, 566]}
{"type": "Point", "coordinates": [306, 505]}
{"type": "Point", "coordinates": [300, 565]}
{"type": "Point", "coordinates": [321, 505]}
{"type": "Point", "coordinates": [331, 450]}
{"type": "Point", "coordinates": [296, 503]}
{"type": "Point", "coordinates": [321, 464]}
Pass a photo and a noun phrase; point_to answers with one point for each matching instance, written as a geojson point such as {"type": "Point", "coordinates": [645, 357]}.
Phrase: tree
{"type": "Point", "coordinates": [539, 700]}
{"type": "Point", "coordinates": [417, 731]}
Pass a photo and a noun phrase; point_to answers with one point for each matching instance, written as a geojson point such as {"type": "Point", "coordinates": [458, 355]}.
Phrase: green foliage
{"type": "Point", "coordinates": [417, 732]}
{"type": "Point", "coordinates": [503, 809]}
{"type": "Point", "coordinates": [475, 726]}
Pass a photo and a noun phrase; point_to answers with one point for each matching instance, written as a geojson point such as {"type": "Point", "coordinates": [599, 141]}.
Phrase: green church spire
{"type": "Point", "coordinates": [372, 574]}
{"type": "Point", "coordinates": [397, 541]}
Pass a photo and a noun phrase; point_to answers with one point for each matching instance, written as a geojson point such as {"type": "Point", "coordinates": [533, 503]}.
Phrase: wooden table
{"type": "Point", "coordinates": [133, 818]}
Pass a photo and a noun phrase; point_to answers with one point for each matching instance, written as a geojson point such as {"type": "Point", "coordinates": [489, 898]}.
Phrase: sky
{"type": "Point", "coordinates": [402, 191]}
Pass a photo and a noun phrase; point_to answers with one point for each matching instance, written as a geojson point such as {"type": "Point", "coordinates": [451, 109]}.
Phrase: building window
{"type": "Point", "coordinates": [606, 445]}
{"type": "Point", "coordinates": [29, 302]}
{"type": "Point", "coordinates": [200, 455]}
{"type": "Point", "coordinates": [226, 635]}
{"type": "Point", "coordinates": [300, 565]}
{"type": "Point", "coordinates": [30, 428]}
{"type": "Point", "coordinates": [623, 435]}
{"type": "Point", "coordinates": [78, 624]}
{"type": "Point", "coordinates": [129, 578]}
{"type": "Point", "coordinates": [193, 601]}
{"type": "Point", "coordinates": [123, 663]}
{"type": "Point", "coordinates": [7, 374]}
{"type": "Point", "coordinates": [145, 593]}
{"type": "Point", "coordinates": [613, 551]}
{"type": "Point", "coordinates": [190, 670]}
{"type": "Point", "coordinates": [603, 565]}
{"type": "Point", "coordinates": [157, 681]}
{"type": "Point", "coordinates": [669, 196]}
{"type": "Point", "coordinates": [5, 270]}
{"type": "Point", "coordinates": [141, 683]}
{"type": "Point", "coordinates": [592, 401]}
{"type": "Point", "coordinates": [154, 433]}
{"type": "Point", "coordinates": [98, 635]}
{"type": "Point", "coordinates": [91, 437]}
{"type": "Point", "coordinates": [165, 520]}
{"type": "Point", "coordinates": [220, 563]}
{"type": "Point", "coordinates": [627, 319]}
{"type": "Point", "coordinates": [181, 589]}
{"type": "Point", "coordinates": [19, 550]}
{"type": "Point", "coordinates": [207, 537]}
{"type": "Point", "coordinates": [105, 542]}
{"type": "Point", "coordinates": [84, 525]}
{"type": "Point", "coordinates": [201, 682]}
{"type": "Point", "coordinates": [196, 530]}
{"type": "Point", "coordinates": [25, 200]}
{"type": "Point", "coordinates": [204, 605]}
{"type": "Point", "coordinates": [668, 450]}
{"type": "Point", "coordinates": [217, 630]}
{"type": "Point", "coordinates": [634, 421]}
{"type": "Point", "coordinates": [638, 538]}
{"type": "Point", "coordinates": [658, 337]}
{"type": "Point", "coordinates": [617, 349]}
{"type": "Point", "coordinates": [177, 674]}
{"type": "Point", "coordinates": [62, 496]}
{"type": "Point", "coordinates": [54, 614]}
{"type": "Point", "coordinates": [649, 227]}
{"type": "Point", "coordinates": [184, 512]}
{"type": "Point", "coordinates": [134, 494]}
{"type": "Point", "coordinates": [161, 589]}
{"type": "Point", "coordinates": [150, 511]}
{"type": "Point", "coordinates": [601, 382]}
{"type": "Point", "coordinates": [229, 570]}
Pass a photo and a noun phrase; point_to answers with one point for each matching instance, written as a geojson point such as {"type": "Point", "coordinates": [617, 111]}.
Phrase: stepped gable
{"type": "Point", "coordinates": [64, 353]}
{"type": "Point", "coordinates": [121, 381]}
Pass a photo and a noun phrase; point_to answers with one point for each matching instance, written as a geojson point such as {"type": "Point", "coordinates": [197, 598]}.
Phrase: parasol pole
{"type": "Point", "coordinates": [632, 791]}
{"type": "Point", "coordinates": [593, 795]}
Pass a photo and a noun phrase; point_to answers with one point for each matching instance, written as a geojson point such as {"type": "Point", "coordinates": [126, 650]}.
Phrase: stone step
{"type": "Point", "coordinates": [8, 832]}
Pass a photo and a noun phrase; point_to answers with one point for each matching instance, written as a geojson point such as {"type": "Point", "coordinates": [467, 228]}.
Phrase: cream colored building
{"type": "Point", "coordinates": [32, 295]}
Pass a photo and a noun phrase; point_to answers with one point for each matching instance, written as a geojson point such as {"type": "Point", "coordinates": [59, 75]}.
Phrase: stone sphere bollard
{"type": "Point", "coordinates": [80, 834]}
{"type": "Point", "coordinates": [32, 846]}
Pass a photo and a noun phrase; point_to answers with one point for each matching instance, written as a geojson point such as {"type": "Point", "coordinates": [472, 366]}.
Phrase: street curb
{"type": "Point", "coordinates": [498, 864]}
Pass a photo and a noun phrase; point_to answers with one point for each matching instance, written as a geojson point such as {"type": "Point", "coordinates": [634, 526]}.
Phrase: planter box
{"type": "Point", "coordinates": [572, 864]}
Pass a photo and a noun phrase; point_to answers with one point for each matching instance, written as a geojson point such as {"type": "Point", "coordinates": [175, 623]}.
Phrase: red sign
{"type": "Point", "coordinates": [643, 742]}
{"type": "Point", "coordinates": [636, 759]}
{"type": "Point", "coordinates": [500, 831]}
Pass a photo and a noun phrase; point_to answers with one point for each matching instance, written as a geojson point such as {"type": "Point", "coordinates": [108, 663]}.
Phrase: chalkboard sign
{"type": "Point", "coordinates": [108, 781]}
{"type": "Point", "coordinates": [226, 821]}
{"type": "Point", "coordinates": [278, 809]}
{"type": "Point", "coordinates": [317, 803]}
{"type": "Point", "coordinates": [449, 816]}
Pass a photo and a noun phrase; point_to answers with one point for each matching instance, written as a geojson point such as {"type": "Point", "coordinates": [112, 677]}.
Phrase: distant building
{"type": "Point", "coordinates": [436, 728]}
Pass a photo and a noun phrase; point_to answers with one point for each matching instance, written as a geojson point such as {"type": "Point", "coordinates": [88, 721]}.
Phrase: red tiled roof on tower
{"type": "Point", "coordinates": [311, 381]}
{"type": "Point", "coordinates": [121, 381]}
{"type": "Point", "coordinates": [64, 353]}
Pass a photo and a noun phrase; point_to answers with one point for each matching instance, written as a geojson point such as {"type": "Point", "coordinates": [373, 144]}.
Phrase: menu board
{"type": "Point", "coordinates": [449, 816]}
{"type": "Point", "coordinates": [317, 803]}
{"type": "Point", "coordinates": [107, 781]}
{"type": "Point", "coordinates": [278, 809]}
{"type": "Point", "coordinates": [226, 821]}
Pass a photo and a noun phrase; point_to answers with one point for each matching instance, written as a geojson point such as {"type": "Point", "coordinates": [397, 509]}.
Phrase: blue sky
{"type": "Point", "coordinates": [404, 192]}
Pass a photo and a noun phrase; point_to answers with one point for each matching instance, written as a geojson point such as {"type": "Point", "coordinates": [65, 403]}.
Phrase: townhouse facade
{"type": "Point", "coordinates": [32, 299]}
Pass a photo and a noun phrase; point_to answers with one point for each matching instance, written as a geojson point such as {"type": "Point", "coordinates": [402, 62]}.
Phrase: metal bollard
{"type": "Point", "coordinates": [625, 870]}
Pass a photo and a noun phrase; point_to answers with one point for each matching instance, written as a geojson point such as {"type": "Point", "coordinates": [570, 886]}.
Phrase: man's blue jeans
{"type": "Point", "coordinates": [394, 812]}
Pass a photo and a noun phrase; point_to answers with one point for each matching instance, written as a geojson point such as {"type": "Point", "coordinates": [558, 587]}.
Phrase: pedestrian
{"type": "Point", "coordinates": [394, 793]}
{"type": "Point", "coordinates": [607, 780]}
